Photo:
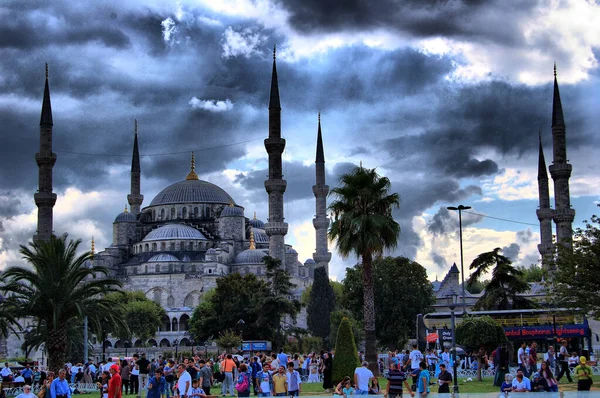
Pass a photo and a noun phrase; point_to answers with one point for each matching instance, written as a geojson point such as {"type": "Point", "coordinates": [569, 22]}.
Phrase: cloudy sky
{"type": "Point", "coordinates": [446, 98]}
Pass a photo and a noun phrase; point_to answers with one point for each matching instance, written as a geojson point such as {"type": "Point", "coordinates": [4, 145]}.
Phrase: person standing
{"type": "Point", "coordinates": [60, 386]}
{"type": "Point", "coordinates": [500, 365]}
{"type": "Point", "coordinates": [444, 380]}
{"type": "Point", "coordinates": [168, 372]}
{"type": "Point", "coordinates": [125, 375]}
{"type": "Point", "coordinates": [522, 359]}
{"type": "Point", "coordinates": [362, 378]}
{"type": "Point", "coordinates": [6, 373]}
{"type": "Point", "coordinates": [184, 384]}
{"type": "Point", "coordinates": [415, 359]}
{"type": "Point", "coordinates": [282, 358]}
{"type": "Point", "coordinates": [279, 380]}
{"type": "Point", "coordinates": [157, 384]}
{"type": "Point", "coordinates": [144, 368]}
{"type": "Point", "coordinates": [205, 376]}
{"type": "Point", "coordinates": [424, 378]}
{"type": "Point", "coordinates": [27, 374]}
{"type": "Point", "coordinates": [583, 372]}
{"type": "Point", "coordinates": [114, 385]}
{"type": "Point", "coordinates": [533, 359]}
{"type": "Point", "coordinates": [293, 382]}
{"type": "Point", "coordinates": [551, 357]}
{"type": "Point", "coordinates": [243, 379]}
{"type": "Point", "coordinates": [327, 371]}
{"type": "Point", "coordinates": [227, 367]}
{"type": "Point", "coordinates": [563, 360]}
{"type": "Point", "coordinates": [45, 386]}
{"type": "Point", "coordinates": [26, 392]}
{"type": "Point", "coordinates": [134, 379]}
{"type": "Point", "coordinates": [264, 381]}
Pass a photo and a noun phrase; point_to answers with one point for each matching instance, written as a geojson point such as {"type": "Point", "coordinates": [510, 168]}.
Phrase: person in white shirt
{"type": "Point", "coordinates": [6, 373]}
{"type": "Point", "coordinates": [415, 358]}
{"type": "Point", "coordinates": [362, 378]}
{"type": "Point", "coordinates": [184, 384]}
{"type": "Point", "coordinates": [19, 379]}
{"type": "Point", "coordinates": [521, 383]}
{"type": "Point", "coordinates": [26, 392]}
{"type": "Point", "coordinates": [522, 358]}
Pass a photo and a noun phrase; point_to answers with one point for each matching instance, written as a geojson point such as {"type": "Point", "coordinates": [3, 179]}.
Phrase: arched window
{"type": "Point", "coordinates": [162, 214]}
{"type": "Point", "coordinates": [246, 270]}
{"type": "Point", "coordinates": [182, 268]}
{"type": "Point", "coordinates": [193, 268]}
{"type": "Point", "coordinates": [157, 296]}
{"type": "Point", "coordinates": [171, 302]}
{"type": "Point", "coordinates": [146, 269]}
{"type": "Point", "coordinates": [174, 325]}
{"type": "Point", "coordinates": [163, 246]}
{"type": "Point", "coordinates": [154, 247]}
{"type": "Point", "coordinates": [191, 246]}
{"type": "Point", "coordinates": [189, 301]}
{"type": "Point", "coordinates": [173, 211]}
{"type": "Point", "coordinates": [259, 271]}
{"type": "Point", "coordinates": [183, 322]}
{"type": "Point", "coordinates": [182, 246]}
{"type": "Point", "coordinates": [135, 270]}
{"type": "Point", "coordinates": [157, 268]}
{"type": "Point", "coordinates": [172, 246]}
{"type": "Point", "coordinates": [146, 247]}
{"type": "Point", "coordinates": [184, 212]}
{"type": "Point", "coordinates": [195, 212]}
{"type": "Point", "coordinates": [154, 215]}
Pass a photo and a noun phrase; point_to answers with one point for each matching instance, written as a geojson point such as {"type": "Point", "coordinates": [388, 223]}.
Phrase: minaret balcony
{"type": "Point", "coordinates": [544, 214]}
{"type": "Point", "coordinates": [564, 215]}
{"type": "Point", "coordinates": [275, 186]}
{"type": "Point", "coordinates": [324, 257]}
{"type": "Point", "coordinates": [275, 145]}
{"type": "Point", "coordinates": [44, 199]}
{"type": "Point", "coordinates": [45, 159]}
{"type": "Point", "coordinates": [320, 190]}
{"type": "Point", "coordinates": [321, 223]}
{"type": "Point", "coordinates": [276, 228]}
{"type": "Point", "coordinates": [560, 170]}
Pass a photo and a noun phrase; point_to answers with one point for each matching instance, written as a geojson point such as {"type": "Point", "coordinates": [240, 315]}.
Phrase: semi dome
{"type": "Point", "coordinates": [191, 191]}
{"type": "Point", "coordinates": [163, 258]}
{"type": "Point", "coordinates": [250, 256]}
{"type": "Point", "coordinates": [174, 231]}
{"type": "Point", "coordinates": [291, 250]}
{"type": "Point", "coordinates": [256, 223]}
{"type": "Point", "coordinates": [126, 217]}
{"type": "Point", "coordinates": [260, 236]}
{"type": "Point", "coordinates": [309, 261]}
{"type": "Point", "coordinates": [232, 211]}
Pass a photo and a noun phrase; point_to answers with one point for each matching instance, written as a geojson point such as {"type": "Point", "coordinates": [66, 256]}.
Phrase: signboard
{"type": "Point", "coordinates": [545, 331]}
{"type": "Point", "coordinates": [432, 337]}
{"type": "Point", "coordinates": [445, 335]}
{"type": "Point", "coordinates": [256, 345]}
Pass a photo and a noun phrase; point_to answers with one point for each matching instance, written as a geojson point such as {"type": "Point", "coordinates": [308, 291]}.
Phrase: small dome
{"type": "Point", "coordinates": [174, 231]}
{"type": "Point", "coordinates": [186, 259]}
{"type": "Point", "coordinates": [211, 251]}
{"type": "Point", "coordinates": [162, 258]}
{"type": "Point", "coordinates": [126, 217]}
{"type": "Point", "coordinates": [256, 223]}
{"type": "Point", "coordinates": [309, 261]}
{"type": "Point", "coordinates": [290, 250]}
{"type": "Point", "coordinates": [250, 256]}
{"type": "Point", "coordinates": [260, 236]}
{"type": "Point", "coordinates": [232, 211]}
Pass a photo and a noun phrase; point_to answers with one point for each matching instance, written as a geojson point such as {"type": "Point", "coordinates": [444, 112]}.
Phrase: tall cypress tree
{"type": "Point", "coordinates": [321, 304]}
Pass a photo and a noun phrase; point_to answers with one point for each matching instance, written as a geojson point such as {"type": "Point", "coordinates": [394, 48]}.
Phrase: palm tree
{"type": "Point", "coordinates": [57, 291]}
{"type": "Point", "coordinates": [363, 225]}
{"type": "Point", "coordinates": [502, 291]}
{"type": "Point", "coordinates": [8, 321]}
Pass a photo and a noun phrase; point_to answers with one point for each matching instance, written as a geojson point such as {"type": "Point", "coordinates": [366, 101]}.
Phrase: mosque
{"type": "Point", "coordinates": [193, 232]}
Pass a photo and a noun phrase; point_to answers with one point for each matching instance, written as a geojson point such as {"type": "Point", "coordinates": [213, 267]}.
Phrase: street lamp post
{"type": "Point", "coordinates": [452, 298]}
{"type": "Point", "coordinates": [192, 342]}
{"type": "Point", "coordinates": [42, 348]}
{"type": "Point", "coordinates": [240, 325]}
{"type": "Point", "coordinates": [460, 208]}
{"type": "Point", "coordinates": [176, 343]}
{"type": "Point", "coordinates": [126, 344]}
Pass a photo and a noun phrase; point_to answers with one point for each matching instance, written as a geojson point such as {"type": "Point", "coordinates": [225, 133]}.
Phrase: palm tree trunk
{"type": "Point", "coordinates": [369, 313]}
{"type": "Point", "coordinates": [57, 348]}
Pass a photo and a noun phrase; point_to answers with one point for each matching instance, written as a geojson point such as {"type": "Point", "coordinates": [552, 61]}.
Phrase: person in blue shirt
{"type": "Point", "coordinates": [157, 385]}
{"type": "Point", "coordinates": [27, 374]}
{"type": "Point", "coordinates": [282, 358]}
{"type": "Point", "coordinates": [423, 382]}
{"type": "Point", "coordinates": [60, 387]}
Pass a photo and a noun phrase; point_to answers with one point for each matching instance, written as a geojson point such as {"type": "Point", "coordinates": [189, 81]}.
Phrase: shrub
{"type": "Point", "coordinates": [345, 360]}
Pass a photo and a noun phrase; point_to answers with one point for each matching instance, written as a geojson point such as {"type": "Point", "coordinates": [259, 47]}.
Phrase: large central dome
{"type": "Point", "coordinates": [192, 191]}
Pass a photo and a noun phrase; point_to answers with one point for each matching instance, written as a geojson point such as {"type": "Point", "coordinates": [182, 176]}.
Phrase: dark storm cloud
{"type": "Point", "coordinates": [511, 251]}
{"type": "Point", "coordinates": [9, 205]}
{"type": "Point", "coordinates": [417, 18]}
{"type": "Point", "coordinates": [438, 260]}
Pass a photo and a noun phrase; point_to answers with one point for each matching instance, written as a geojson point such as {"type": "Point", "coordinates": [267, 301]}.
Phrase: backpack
{"type": "Point", "coordinates": [244, 385]}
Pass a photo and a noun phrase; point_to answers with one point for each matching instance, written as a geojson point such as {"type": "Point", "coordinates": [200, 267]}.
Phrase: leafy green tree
{"type": "Point", "coordinates": [334, 324]}
{"type": "Point", "coordinates": [345, 360]}
{"type": "Point", "coordinates": [533, 273]}
{"type": "Point", "coordinates": [142, 315]}
{"type": "Point", "coordinates": [228, 340]}
{"type": "Point", "coordinates": [402, 291]}
{"type": "Point", "coordinates": [577, 277]}
{"type": "Point", "coordinates": [58, 290]}
{"type": "Point", "coordinates": [363, 225]}
{"type": "Point", "coordinates": [504, 288]}
{"type": "Point", "coordinates": [480, 334]}
{"type": "Point", "coordinates": [321, 304]}
{"type": "Point", "coordinates": [477, 286]}
{"type": "Point", "coordinates": [235, 297]}
{"type": "Point", "coordinates": [8, 322]}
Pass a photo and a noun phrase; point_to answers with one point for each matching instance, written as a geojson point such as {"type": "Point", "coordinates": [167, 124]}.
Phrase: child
{"type": "Point", "coordinates": [157, 385]}
{"type": "Point", "coordinates": [197, 391]}
{"type": "Point", "coordinates": [348, 390]}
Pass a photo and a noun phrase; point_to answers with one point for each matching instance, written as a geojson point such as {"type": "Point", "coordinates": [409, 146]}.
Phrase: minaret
{"type": "Point", "coordinates": [45, 159]}
{"type": "Point", "coordinates": [135, 198]}
{"type": "Point", "coordinates": [560, 171]}
{"type": "Point", "coordinates": [275, 227]}
{"type": "Point", "coordinates": [322, 256]}
{"type": "Point", "coordinates": [544, 213]}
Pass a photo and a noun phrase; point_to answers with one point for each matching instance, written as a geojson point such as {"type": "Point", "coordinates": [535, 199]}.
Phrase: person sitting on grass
{"type": "Point", "coordinates": [539, 383]}
{"type": "Point", "coordinates": [519, 383]}
{"type": "Point", "coordinates": [339, 389]}
{"type": "Point", "coordinates": [506, 386]}
{"type": "Point", "coordinates": [197, 391]}
{"type": "Point", "coordinates": [347, 390]}
{"type": "Point", "coordinates": [374, 389]}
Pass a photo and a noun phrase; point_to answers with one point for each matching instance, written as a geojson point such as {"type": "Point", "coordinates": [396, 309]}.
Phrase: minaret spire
{"type": "Point", "coordinates": [322, 256]}
{"type": "Point", "coordinates": [192, 174]}
{"type": "Point", "coordinates": [45, 159]}
{"type": "Point", "coordinates": [544, 213]}
{"type": "Point", "coordinates": [560, 170]}
{"type": "Point", "coordinates": [135, 198]}
{"type": "Point", "coordinates": [275, 186]}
